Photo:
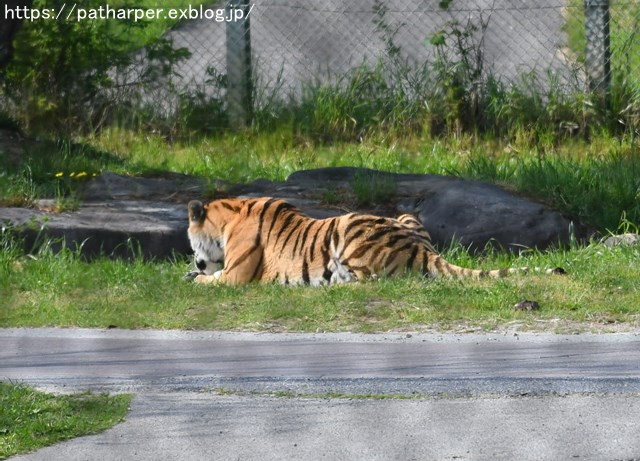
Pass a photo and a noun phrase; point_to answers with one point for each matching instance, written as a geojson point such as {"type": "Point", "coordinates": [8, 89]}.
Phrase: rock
{"type": "Point", "coordinates": [527, 305]}
{"type": "Point", "coordinates": [117, 216]}
{"type": "Point", "coordinates": [628, 239]}
{"type": "Point", "coordinates": [117, 213]}
{"type": "Point", "coordinates": [472, 213]}
{"type": "Point", "coordinates": [114, 228]}
{"type": "Point", "coordinates": [171, 187]}
{"type": "Point", "coordinates": [476, 214]}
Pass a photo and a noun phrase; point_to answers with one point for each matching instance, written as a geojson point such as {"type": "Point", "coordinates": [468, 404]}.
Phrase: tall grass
{"type": "Point", "coordinates": [455, 94]}
{"type": "Point", "coordinates": [585, 188]}
{"type": "Point", "coordinates": [594, 182]}
{"type": "Point", "coordinates": [451, 94]}
{"type": "Point", "coordinates": [366, 100]}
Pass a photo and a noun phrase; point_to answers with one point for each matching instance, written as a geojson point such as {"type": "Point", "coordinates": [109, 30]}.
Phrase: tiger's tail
{"type": "Point", "coordinates": [438, 266]}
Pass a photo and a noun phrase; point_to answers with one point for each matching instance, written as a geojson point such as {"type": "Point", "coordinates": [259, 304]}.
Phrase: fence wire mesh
{"type": "Point", "coordinates": [298, 41]}
{"type": "Point", "coordinates": [280, 50]}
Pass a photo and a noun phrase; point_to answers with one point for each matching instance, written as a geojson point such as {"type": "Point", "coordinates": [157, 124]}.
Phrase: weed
{"type": "Point", "coordinates": [373, 188]}
{"type": "Point", "coordinates": [331, 197]}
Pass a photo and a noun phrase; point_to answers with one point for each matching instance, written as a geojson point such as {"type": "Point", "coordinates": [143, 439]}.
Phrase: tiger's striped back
{"type": "Point", "coordinates": [268, 239]}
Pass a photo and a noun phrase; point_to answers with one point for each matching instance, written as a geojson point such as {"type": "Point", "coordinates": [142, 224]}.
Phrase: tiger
{"type": "Point", "coordinates": [238, 241]}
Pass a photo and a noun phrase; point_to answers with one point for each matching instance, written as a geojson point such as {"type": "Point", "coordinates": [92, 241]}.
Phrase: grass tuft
{"type": "Point", "coordinates": [30, 419]}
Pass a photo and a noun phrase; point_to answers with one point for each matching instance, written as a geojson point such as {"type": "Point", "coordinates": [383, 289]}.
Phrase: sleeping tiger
{"type": "Point", "coordinates": [269, 240]}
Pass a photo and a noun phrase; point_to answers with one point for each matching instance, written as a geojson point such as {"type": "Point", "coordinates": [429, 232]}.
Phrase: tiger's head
{"type": "Point", "coordinates": [206, 234]}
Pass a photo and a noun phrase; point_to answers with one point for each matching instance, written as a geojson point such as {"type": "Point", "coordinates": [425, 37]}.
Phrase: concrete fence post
{"type": "Point", "coordinates": [239, 85]}
{"type": "Point", "coordinates": [598, 49]}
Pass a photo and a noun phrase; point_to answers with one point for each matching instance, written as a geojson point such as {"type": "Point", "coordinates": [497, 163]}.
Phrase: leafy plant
{"type": "Point", "coordinates": [459, 71]}
{"type": "Point", "coordinates": [65, 73]}
{"type": "Point", "coordinates": [204, 110]}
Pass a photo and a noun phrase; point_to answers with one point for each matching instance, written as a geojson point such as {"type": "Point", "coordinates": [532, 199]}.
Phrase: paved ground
{"type": "Point", "coordinates": [202, 395]}
{"type": "Point", "coordinates": [202, 426]}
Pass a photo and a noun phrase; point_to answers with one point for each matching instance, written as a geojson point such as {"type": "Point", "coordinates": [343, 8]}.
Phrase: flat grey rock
{"type": "Point", "coordinates": [628, 239]}
{"type": "Point", "coordinates": [171, 187]}
{"type": "Point", "coordinates": [120, 215]}
{"type": "Point", "coordinates": [112, 228]}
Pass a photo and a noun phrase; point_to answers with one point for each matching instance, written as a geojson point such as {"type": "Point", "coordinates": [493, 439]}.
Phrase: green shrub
{"type": "Point", "coordinates": [64, 73]}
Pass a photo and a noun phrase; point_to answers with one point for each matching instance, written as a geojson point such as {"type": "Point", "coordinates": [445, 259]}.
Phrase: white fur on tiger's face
{"type": "Point", "coordinates": [267, 239]}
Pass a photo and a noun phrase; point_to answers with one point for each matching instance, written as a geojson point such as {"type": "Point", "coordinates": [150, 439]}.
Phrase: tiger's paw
{"type": "Point", "coordinates": [204, 278]}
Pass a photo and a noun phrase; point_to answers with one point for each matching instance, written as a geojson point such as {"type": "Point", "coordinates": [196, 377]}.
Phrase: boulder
{"type": "Point", "coordinates": [121, 215]}
{"type": "Point", "coordinates": [472, 213]}
{"type": "Point", "coordinates": [170, 187]}
{"type": "Point", "coordinates": [477, 214]}
{"type": "Point", "coordinates": [113, 228]}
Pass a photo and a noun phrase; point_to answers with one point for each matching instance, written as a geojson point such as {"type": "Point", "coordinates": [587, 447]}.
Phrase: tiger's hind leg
{"type": "Point", "coordinates": [410, 221]}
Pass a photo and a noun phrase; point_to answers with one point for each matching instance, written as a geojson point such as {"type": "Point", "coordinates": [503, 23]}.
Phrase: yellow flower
{"type": "Point", "coordinates": [82, 174]}
{"type": "Point", "coordinates": [72, 174]}
{"type": "Point", "coordinates": [60, 174]}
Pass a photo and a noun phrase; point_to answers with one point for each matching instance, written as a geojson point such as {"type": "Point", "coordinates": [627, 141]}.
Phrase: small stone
{"type": "Point", "coordinates": [628, 239]}
{"type": "Point", "coordinates": [527, 305]}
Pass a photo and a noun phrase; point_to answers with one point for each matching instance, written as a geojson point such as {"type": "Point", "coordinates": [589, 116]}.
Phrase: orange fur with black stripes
{"type": "Point", "coordinates": [266, 239]}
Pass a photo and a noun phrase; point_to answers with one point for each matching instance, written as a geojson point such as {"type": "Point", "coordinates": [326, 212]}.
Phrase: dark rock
{"type": "Point", "coordinates": [527, 305]}
{"type": "Point", "coordinates": [472, 213]}
{"type": "Point", "coordinates": [171, 187]}
{"type": "Point", "coordinates": [114, 228]}
{"type": "Point", "coordinates": [120, 213]}
{"type": "Point", "coordinates": [476, 214]}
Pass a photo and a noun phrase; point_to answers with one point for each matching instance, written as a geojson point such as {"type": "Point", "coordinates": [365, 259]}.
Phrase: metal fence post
{"type": "Point", "coordinates": [239, 86]}
{"type": "Point", "coordinates": [598, 50]}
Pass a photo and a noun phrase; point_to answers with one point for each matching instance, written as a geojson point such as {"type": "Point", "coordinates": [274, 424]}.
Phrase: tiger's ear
{"type": "Point", "coordinates": [196, 211]}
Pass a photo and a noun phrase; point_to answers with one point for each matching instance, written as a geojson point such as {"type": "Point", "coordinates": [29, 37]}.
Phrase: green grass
{"type": "Point", "coordinates": [30, 419]}
{"type": "Point", "coordinates": [372, 188]}
{"type": "Point", "coordinates": [595, 183]}
{"type": "Point", "coordinates": [386, 117]}
{"type": "Point", "coordinates": [599, 292]}
{"type": "Point", "coordinates": [624, 20]}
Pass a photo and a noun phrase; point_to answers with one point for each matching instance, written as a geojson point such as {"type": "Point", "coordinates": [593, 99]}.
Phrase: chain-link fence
{"type": "Point", "coordinates": [223, 63]}
{"type": "Point", "coordinates": [294, 42]}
